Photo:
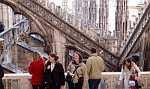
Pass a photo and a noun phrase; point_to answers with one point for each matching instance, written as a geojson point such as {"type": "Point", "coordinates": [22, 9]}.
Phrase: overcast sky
{"type": "Point", "coordinates": [135, 2]}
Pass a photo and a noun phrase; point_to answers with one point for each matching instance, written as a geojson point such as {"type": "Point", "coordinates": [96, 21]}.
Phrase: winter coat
{"type": "Point", "coordinates": [82, 72]}
{"type": "Point", "coordinates": [95, 66]}
{"type": "Point", "coordinates": [56, 76]}
{"type": "Point", "coordinates": [1, 76]}
{"type": "Point", "coordinates": [126, 73]}
{"type": "Point", "coordinates": [36, 69]}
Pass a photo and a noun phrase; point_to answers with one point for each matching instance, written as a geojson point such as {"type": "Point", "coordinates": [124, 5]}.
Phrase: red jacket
{"type": "Point", "coordinates": [36, 69]}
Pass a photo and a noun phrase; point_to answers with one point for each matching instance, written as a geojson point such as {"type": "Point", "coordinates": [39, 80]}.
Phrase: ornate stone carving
{"type": "Point", "coordinates": [61, 25]}
{"type": "Point", "coordinates": [41, 13]}
{"type": "Point", "coordinates": [139, 30]}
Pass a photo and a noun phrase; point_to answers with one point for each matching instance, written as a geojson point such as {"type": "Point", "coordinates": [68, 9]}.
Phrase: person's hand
{"type": "Point", "coordinates": [61, 87]}
{"type": "Point", "coordinates": [119, 82]}
{"type": "Point", "coordinates": [70, 73]}
{"type": "Point", "coordinates": [137, 78]}
{"type": "Point", "coordinates": [46, 84]}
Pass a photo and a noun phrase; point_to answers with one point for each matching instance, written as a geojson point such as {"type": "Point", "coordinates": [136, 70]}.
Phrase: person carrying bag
{"type": "Point", "coordinates": [128, 71]}
{"type": "Point", "coordinates": [77, 77]}
{"type": "Point", "coordinates": [70, 75]}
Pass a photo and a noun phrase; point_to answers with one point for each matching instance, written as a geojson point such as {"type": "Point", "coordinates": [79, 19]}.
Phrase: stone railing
{"type": "Point", "coordinates": [17, 81]}
{"type": "Point", "coordinates": [22, 81]}
{"type": "Point", "coordinates": [111, 79]}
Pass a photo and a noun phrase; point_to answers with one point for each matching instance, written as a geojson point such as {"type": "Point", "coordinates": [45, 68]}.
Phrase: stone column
{"type": "Point", "coordinates": [58, 46]}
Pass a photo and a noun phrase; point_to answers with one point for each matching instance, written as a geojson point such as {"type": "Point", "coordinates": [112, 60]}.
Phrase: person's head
{"type": "Point", "coordinates": [53, 57]}
{"type": "Point", "coordinates": [128, 63]}
{"type": "Point", "coordinates": [77, 57]}
{"type": "Point", "coordinates": [36, 56]}
{"type": "Point", "coordinates": [93, 50]}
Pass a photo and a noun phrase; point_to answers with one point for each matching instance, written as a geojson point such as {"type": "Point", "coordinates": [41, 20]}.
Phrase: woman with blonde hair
{"type": "Point", "coordinates": [36, 69]}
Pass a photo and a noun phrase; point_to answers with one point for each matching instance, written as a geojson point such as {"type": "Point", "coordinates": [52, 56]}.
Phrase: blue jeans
{"type": "Point", "coordinates": [94, 83]}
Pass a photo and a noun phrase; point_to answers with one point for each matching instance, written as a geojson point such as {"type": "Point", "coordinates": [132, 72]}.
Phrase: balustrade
{"type": "Point", "coordinates": [22, 80]}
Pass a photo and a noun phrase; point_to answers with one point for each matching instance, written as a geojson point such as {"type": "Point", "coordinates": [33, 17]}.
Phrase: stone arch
{"type": "Point", "coordinates": [19, 10]}
{"type": "Point", "coordinates": [39, 35]}
{"type": "Point", "coordinates": [10, 4]}
{"type": "Point", "coordinates": [22, 11]}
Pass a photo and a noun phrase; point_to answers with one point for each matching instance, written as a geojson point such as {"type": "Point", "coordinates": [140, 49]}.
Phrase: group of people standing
{"type": "Point", "coordinates": [85, 76]}
{"type": "Point", "coordinates": [46, 74]}
{"type": "Point", "coordinates": [50, 74]}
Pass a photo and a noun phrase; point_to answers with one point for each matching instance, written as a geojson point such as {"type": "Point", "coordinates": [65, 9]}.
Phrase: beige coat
{"type": "Point", "coordinates": [126, 73]}
{"type": "Point", "coordinates": [95, 66]}
{"type": "Point", "coordinates": [82, 72]}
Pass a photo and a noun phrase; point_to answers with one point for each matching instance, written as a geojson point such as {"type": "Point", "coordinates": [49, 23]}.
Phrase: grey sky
{"type": "Point", "coordinates": [135, 2]}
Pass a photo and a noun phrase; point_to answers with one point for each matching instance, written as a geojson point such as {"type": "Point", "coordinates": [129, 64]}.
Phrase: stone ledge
{"type": "Point", "coordinates": [110, 78]}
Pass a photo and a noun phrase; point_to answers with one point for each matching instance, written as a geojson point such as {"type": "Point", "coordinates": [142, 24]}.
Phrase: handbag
{"type": "Point", "coordinates": [80, 80]}
{"type": "Point", "coordinates": [69, 77]}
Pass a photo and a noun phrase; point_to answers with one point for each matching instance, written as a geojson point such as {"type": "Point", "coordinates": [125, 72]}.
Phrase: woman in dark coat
{"type": "Point", "coordinates": [1, 76]}
{"type": "Point", "coordinates": [54, 73]}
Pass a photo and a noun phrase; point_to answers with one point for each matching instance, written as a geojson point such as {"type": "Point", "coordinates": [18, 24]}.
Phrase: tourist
{"type": "Point", "coordinates": [78, 72]}
{"type": "Point", "coordinates": [54, 77]}
{"type": "Point", "coordinates": [1, 76]}
{"type": "Point", "coordinates": [36, 69]}
{"type": "Point", "coordinates": [95, 66]}
{"type": "Point", "coordinates": [129, 71]}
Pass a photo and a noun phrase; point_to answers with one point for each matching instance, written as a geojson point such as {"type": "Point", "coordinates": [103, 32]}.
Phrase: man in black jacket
{"type": "Point", "coordinates": [1, 76]}
{"type": "Point", "coordinates": [1, 27]}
